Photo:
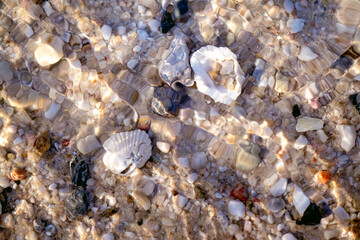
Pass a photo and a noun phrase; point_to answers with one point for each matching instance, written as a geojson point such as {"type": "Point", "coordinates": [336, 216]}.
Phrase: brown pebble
{"type": "Point", "coordinates": [42, 143]}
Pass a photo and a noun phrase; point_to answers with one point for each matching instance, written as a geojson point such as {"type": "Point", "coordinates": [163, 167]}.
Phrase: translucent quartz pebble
{"type": "Point", "coordinates": [236, 208]}
{"type": "Point", "coordinates": [53, 110]}
{"type": "Point", "coordinates": [279, 187]}
{"type": "Point", "coordinates": [340, 214]}
{"type": "Point", "coordinates": [275, 205]}
{"type": "Point", "coordinates": [296, 25]}
{"type": "Point", "coordinates": [306, 54]}
{"type": "Point", "coordinates": [300, 142]}
{"type": "Point", "coordinates": [305, 124]}
{"type": "Point", "coordinates": [198, 160]}
{"type": "Point", "coordinates": [88, 144]}
{"type": "Point", "coordinates": [213, 74]}
{"type": "Point", "coordinates": [106, 32]}
{"type": "Point", "coordinates": [49, 50]}
{"type": "Point", "coordinates": [348, 136]}
{"type": "Point", "coordinates": [289, 6]}
{"type": "Point", "coordinates": [247, 156]}
{"type": "Point", "coordinates": [175, 66]}
{"type": "Point", "coordinates": [300, 200]}
{"type": "Point", "coordinates": [5, 70]}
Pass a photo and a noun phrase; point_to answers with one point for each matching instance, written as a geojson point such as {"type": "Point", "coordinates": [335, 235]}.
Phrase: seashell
{"type": "Point", "coordinates": [42, 143]}
{"type": "Point", "coordinates": [17, 174]}
{"type": "Point", "coordinates": [142, 199]}
{"type": "Point", "coordinates": [168, 130]}
{"type": "Point", "coordinates": [247, 158]}
{"type": "Point", "coordinates": [166, 101]}
{"type": "Point", "coordinates": [217, 73]}
{"type": "Point", "coordinates": [348, 12]}
{"type": "Point", "coordinates": [76, 204]}
{"type": "Point", "coordinates": [88, 144]}
{"type": "Point", "coordinates": [49, 50]}
{"type": "Point", "coordinates": [126, 151]}
{"type": "Point", "coordinates": [175, 66]}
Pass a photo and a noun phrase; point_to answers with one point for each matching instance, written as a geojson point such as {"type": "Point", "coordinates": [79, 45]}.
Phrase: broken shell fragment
{"type": "Point", "coordinates": [217, 73]}
{"type": "Point", "coordinates": [49, 50]}
{"type": "Point", "coordinates": [17, 174]}
{"type": "Point", "coordinates": [247, 156]}
{"type": "Point", "coordinates": [126, 151]}
{"type": "Point", "coordinates": [166, 101]}
{"type": "Point", "coordinates": [42, 143]}
{"type": "Point", "coordinates": [305, 124]}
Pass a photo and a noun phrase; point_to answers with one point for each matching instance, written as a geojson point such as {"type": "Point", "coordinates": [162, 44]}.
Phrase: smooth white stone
{"type": "Point", "coordinates": [279, 187]}
{"type": "Point", "coordinates": [348, 136]}
{"type": "Point", "coordinates": [88, 144]}
{"type": "Point", "coordinates": [180, 201]}
{"type": "Point", "coordinates": [275, 205]}
{"type": "Point", "coordinates": [108, 236]}
{"type": "Point", "coordinates": [247, 226]}
{"type": "Point", "coordinates": [236, 208]}
{"type": "Point", "coordinates": [306, 54]}
{"type": "Point", "coordinates": [198, 160]}
{"type": "Point", "coordinates": [154, 25]}
{"type": "Point", "coordinates": [340, 214]}
{"type": "Point", "coordinates": [163, 146]}
{"type": "Point", "coordinates": [288, 236]}
{"type": "Point", "coordinates": [4, 182]}
{"type": "Point", "coordinates": [49, 50]}
{"type": "Point", "coordinates": [183, 163]}
{"type": "Point", "coordinates": [121, 30]}
{"type": "Point", "coordinates": [300, 142]}
{"type": "Point", "coordinates": [296, 25]}
{"type": "Point", "coordinates": [322, 135]}
{"type": "Point", "coordinates": [193, 177]}
{"type": "Point", "coordinates": [53, 110]}
{"type": "Point", "coordinates": [143, 35]}
{"type": "Point", "coordinates": [300, 200]}
{"type": "Point", "coordinates": [106, 32]}
{"type": "Point", "coordinates": [305, 124]}
{"type": "Point", "coordinates": [289, 6]}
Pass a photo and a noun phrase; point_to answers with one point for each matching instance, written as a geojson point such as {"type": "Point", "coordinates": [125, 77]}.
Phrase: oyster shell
{"type": "Point", "coordinates": [217, 73]}
{"type": "Point", "coordinates": [126, 151]}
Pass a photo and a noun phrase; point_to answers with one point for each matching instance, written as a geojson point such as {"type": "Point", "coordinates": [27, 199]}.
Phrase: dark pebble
{"type": "Point", "coordinates": [166, 22]}
{"type": "Point", "coordinates": [76, 204]}
{"type": "Point", "coordinates": [166, 101]}
{"type": "Point", "coordinates": [80, 172]}
{"type": "Point", "coordinates": [38, 225]}
{"type": "Point", "coordinates": [296, 111]}
{"type": "Point", "coordinates": [200, 192]}
{"type": "Point", "coordinates": [353, 99]}
{"type": "Point", "coordinates": [343, 63]}
{"type": "Point", "coordinates": [140, 222]}
{"type": "Point", "coordinates": [312, 216]}
{"type": "Point", "coordinates": [50, 230]}
{"type": "Point", "coordinates": [324, 209]}
{"type": "Point", "coordinates": [181, 7]}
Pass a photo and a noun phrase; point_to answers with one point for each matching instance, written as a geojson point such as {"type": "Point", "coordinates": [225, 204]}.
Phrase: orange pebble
{"type": "Point", "coordinates": [323, 176]}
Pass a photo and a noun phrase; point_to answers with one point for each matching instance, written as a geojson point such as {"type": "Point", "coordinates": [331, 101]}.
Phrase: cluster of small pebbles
{"type": "Point", "coordinates": [179, 119]}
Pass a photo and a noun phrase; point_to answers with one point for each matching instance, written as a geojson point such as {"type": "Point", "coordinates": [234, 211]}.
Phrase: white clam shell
{"type": "Point", "coordinates": [126, 151]}
{"type": "Point", "coordinates": [203, 61]}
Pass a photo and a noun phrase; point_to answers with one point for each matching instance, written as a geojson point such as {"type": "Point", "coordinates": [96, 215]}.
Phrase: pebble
{"type": "Point", "coordinates": [300, 142]}
{"type": "Point", "coordinates": [106, 32]}
{"type": "Point", "coordinates": [166, 22]}
{"type": "Point", "coordinates": [306, 54]}
{"type": "Point", "coordinates": [183, 163]}
{"type": "Point", "coordinates": [300, 200]}
{"type": "Point", "coordinates": [166, 101]}
{"type": "Point", "coordinates": [275, 205]}
{"type": "Point", "coordinates": [163, 146]}
{"type": "Point", "coordinates": [154, 25]}
{"type": "Point", "coordinates": [288, 236]}
{"type": "Point", "coordinates": [143, 35]}
{"type": "Point", "coordinates": [76, 204]}
{"type": "Point", "coordinates": [121, 30]}
{"type": "Point", "coordinates": [108, 236]}
{"type": "Point", "coordinates": [248, 156]}
{"type": "Point", "coordinates": [240, 192]}
{"type": "Point", "coordinates": [348, 136]}
{"type": "Point", "coordinates": [79, 170]}
{"type": "Point", "coordinates": [296, 111]}
{"type": "Point", "coordinates": [198, 160]}
{"type": "Point", "coordinates": [142, 199]}
{"type": "Point", "coordinates": [296, 25]}
{"type": "Point", "coordinates": [322, 135]}
{"type": "Point", "coordinates": [88, 144]}
{"type": "Point", "coordinates": [4, 182]}
{"type": "Point", "coordinates": [305, 124]}
{"type": "Point", "coordinates": [38, 225]}
{"type": "Point", "coordinates": [279, 187]}
{"type": "Point", "coordinates": [181, 7]}
{"type": "Point", "coordinates": [312, 216]}
{"type": "Point", "coordinates": [42, 143]}
{"type": "Point", "coordinates": [289, 6]}
{"type": "Point", "coordinates": [50, 230]}
{"type": "Point", "coordinates": [236, 208]}
{"type": "Point", "coordinates": [340, 214]}
{"type": "Point", "coordinates": [193, 177]}
{"type": "Point", "coordinates": [5, 69]}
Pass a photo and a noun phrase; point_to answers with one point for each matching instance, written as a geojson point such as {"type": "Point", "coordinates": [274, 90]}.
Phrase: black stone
{"type": "Point", "coordinates": [80, 172]}
{"type": "Point", "coordinates": [166, 101]}
{"type": "Point", "coordinates": [140, 222]}
{"type": "Point", "coordinates": [358, 107]}
{"type": "Point", "coordinates": [76, 204]}
{"type": "Point", "coordinates": [181, 7]}
{"type": "Point", "coordinates": [296, 111]}
{"type": "Point", "coordinates": [312, 216]}
{"type": "Point", "coordinates": [353, 98]}
{"type": "Point", "coordinates": [166, 22]}
{"type": "Point", "coordinates": [324, 209]}
{"type": "Point", "coordinates": [343, 63]}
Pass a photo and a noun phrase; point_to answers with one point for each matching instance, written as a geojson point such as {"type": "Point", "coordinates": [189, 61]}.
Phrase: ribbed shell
{"type": "Point", "coordinates": [126, 151]}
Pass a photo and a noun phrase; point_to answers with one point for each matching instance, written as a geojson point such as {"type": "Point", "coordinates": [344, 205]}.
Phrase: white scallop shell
{"type": "Point", "coordinates": [203, 60]}
{"type": "Point", "coordinates": [126, 151]}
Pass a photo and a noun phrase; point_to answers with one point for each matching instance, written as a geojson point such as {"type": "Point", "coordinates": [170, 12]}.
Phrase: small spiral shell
{"type": "Point", "coordinates": [17, 174]}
